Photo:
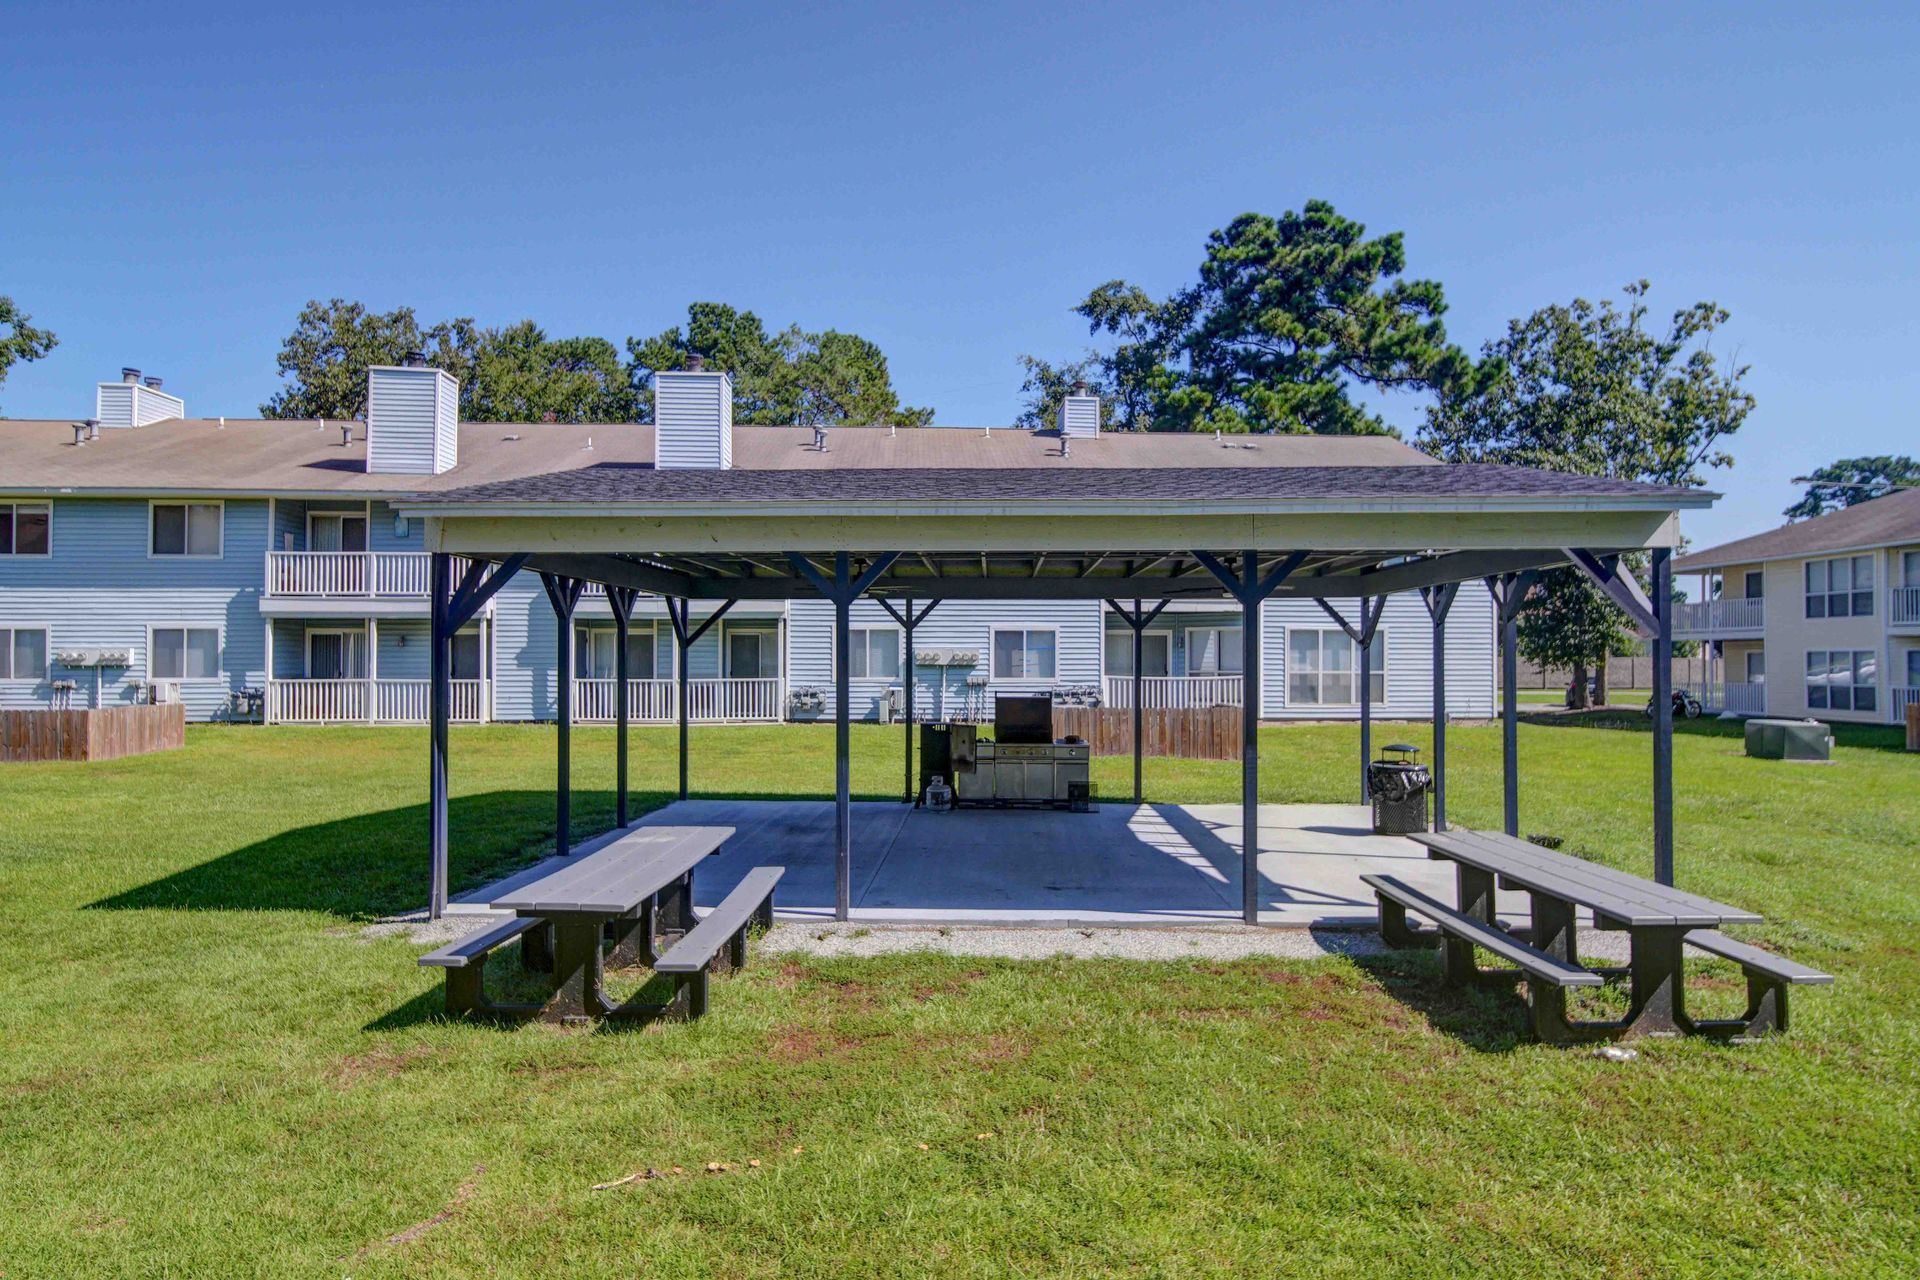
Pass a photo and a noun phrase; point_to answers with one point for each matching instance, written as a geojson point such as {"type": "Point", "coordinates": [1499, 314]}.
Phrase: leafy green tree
{"type": "Point", "coordinates": [1851, 481]}
{"type": "Point", "coordinates": [1588, 388]}
{"type": "Point", "coordinates": [1290, 316]}
{"type": "Point", "coordinates": [793, 377]}
{"type": "Point", "coordinates": [20, 342]}
{"type": "Point", "coordinates": [514, 374]}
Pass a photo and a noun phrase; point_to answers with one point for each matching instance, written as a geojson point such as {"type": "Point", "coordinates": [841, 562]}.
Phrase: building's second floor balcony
{"type": "Point", "coordinates": [1729, 616]}
{"type": "Point", "coordinates": [366, 575]}
{"type": "Point", "coordinates": [1903, 606]}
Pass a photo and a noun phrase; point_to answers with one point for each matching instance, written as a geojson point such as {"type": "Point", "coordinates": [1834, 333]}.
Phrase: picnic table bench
{"type": "Point", "coordinates": [637, 888]}
{"type": "Point", "coordinates": [1660, 921]}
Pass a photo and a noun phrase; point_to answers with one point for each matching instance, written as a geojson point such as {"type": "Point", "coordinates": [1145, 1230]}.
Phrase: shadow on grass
{"type": "Point", "coordinates": [1486, 1019]}
{"type": "Point", "coordinates": [375, 864]}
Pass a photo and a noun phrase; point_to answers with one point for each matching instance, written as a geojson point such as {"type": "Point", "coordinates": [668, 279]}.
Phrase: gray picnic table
{"type": "Point", "coordinates": [637, 884]}
{"type": "Point", "coordinates": [1660, 921]}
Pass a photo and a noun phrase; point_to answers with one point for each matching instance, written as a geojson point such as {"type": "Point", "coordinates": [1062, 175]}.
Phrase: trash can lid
{"type": "Point", "coordinates": [1402, 746]}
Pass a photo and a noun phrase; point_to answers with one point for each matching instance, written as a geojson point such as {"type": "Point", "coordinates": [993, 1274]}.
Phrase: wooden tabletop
{"type": "Point", "coordinates": [1616, 895]}
{"type": "Point", "coordinates": [616, 878]}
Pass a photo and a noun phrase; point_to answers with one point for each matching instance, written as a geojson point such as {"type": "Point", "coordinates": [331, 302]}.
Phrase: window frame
{"type": "Point", "coordinates": [1751, 578]}
{"type": "Point", "coordinates": [1222, 629]}
{"type": "Point", "coordinates": [1360, 653]}
{"type": "Point", "coordinates": [365, 514]}
{"type": "Point", "coordinates": [761, 630]}
{"type": "Point", "coordinates": [1023, 630]}
{"type": "Point", "coordinates": [219, 504]}
{"type": "Point", "coordinates": [219, 651]}
{"type": "Point", "coordinates": [8, 629]}
{"type": "Point", "coordinates": [585, 628]}
{"type": "Point", "coordinates": [1853, 685]}
{"type": "Point", "coordinates": [1165, 633]}
{"type": "Point", "coordinates": [13, 506]}
{"type": "Point", "coordinates": [858, 642]}
{"type": "Point", "coordinates": [1850, 599]}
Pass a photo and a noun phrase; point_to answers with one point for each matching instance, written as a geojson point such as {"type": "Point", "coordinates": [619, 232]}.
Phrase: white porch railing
{"type": "Point", "coordinates": [1903, 604]}
{"type": "Point", "coordinates": [708, 701]}
{"type": "Point", "coordinates": [368, 701]}
{"type": "Point", "coordinates": [1904, 696]}
{"type": "Point", "coordinates": [377, 575]}
{"type": "Point", "coordinates": [1175, 692]}
{"type": "Point", "coordinates": [1740, 697]}
{"type": "Point", "coordinates": [1701, 617]}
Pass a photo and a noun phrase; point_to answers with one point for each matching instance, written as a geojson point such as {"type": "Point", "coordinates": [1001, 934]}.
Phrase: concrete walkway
{"type": "Point", "coordinates": [1164, 865]}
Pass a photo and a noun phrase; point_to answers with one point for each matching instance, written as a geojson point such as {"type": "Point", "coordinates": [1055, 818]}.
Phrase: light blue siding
{"type": "Point", "coordinates": [100, 588]}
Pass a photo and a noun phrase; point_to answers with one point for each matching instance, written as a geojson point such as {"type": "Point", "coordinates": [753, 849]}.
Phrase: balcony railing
{"type": "Point", "coordinates": [372, 575]}
{"type": "Point", "coordinates": [1175, 692]}
{"type": "Point", "coordinates": [1739, 697]}
{"type": "Point", "coordinates": [1904, 696]}
{"type": "Point", "coordinates": [1903, 604]}
{"type": "Point", "coordinates": [368, 701]}
{"type": "Point", "coordinates": [711, 701]}
{"type": "Point", "coordinates": [1716, 617]}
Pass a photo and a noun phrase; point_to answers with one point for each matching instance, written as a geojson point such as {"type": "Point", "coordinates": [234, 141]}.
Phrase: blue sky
{"type": "Point", "coordinates": [176, 181]}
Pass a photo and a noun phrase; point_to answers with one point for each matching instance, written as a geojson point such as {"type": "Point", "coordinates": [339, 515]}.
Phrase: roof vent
{"type": "Point", "coordinates": [93, 428]}
{"type": "Point", "coordinates": [1079, 413]}
{"type": "Point", "coordinates": [128, 374]}
{"type": "Point", "coordinates": [79, 434]}
{"type": "Point", "coordinates": [414, 360]}
{"type": "Point", "coordinates": [819, 438]}
{"type": "Point", "coordinates": [346, 433]}
{"type": "Point", "coordinates": [693, 417]}
{"type": "Point", "coordinates": [152, 383]}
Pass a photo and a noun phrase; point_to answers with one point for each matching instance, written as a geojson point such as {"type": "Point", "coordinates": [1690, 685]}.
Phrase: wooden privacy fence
{"type": "Point", "coordinates": [1193, 733]}
{"type": "Point", "coordinates": [1913, 726]}
{"type": "Point", "coordinates": [102, 733]}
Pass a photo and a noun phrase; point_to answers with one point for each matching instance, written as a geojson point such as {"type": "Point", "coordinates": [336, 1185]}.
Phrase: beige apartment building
{"type": "Point", "coordinates": [1819, 618]}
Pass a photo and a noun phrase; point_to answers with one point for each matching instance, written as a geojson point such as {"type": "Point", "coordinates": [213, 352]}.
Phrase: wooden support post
{"type": "Point", "coordinates": [842, 588]}
{"type": "Point", "coordinates": [1662, 594]}
{"type": "Point", "coordinates": [439, 703]}
{"type": "Point", "coordinates": [1439, 601]}
{"type": "Point", "coordinates": [620, 600]}
{"type": "Point", "coordinates": [1250, 588]}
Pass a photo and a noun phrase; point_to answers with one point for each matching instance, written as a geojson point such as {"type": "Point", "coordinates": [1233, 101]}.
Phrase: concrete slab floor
{"type": "Point", "coordinates": [1123, 865]}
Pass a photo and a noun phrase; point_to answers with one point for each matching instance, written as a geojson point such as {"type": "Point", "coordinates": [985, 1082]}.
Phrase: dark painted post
{"type": "Point", "coordinates": [1366, 693]}
{"type": "Point", "coordinates": [909, 670]}
{"type": "Point", "coordinates": [563, 594]}
{"type": "Point", "coordinates": [1250, 738]}
{"type": "Point", "coordinates": [1509, 709]}
{"type": "Point", "coordinates": [621, 601]}
{"type": "Point", "coordinates": [1439, 600]}
{"type": "Point", "coordinates": [1662, 602]}
{"type": "Point", "coordinates": [1139, 687]}
{"type": "Point", "coordinates": [842, 739]}
{"type": "Point", "coordinates": [681, 646]}
{"type": "Point", "coordinates": [439, 699]}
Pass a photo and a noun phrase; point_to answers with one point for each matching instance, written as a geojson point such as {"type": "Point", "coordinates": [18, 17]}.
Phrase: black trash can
{"type": "Point", "coordinates": [1399, 789]}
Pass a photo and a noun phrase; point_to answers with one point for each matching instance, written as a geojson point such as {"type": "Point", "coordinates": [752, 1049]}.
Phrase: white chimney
{"type": "Point", "coordinates": [693, 417]}
{"type": "Point", "coordinates": [413, 418]}
{"type": "Point", "coordinates": [133, 403]}
{"type": "Point", "coordinates": [1079, 414]}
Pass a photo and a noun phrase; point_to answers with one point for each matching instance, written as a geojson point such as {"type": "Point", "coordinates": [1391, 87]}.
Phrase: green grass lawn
{"type": "Point", "coordinates": [208, 1072]}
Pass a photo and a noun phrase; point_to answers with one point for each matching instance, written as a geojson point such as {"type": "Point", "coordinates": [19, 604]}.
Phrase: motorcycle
{"type": "Point", "coordinates": [1685, 705]}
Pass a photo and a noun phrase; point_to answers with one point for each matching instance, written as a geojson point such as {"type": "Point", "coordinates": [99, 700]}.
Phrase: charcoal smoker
{"type": "Point", "coordinates": [1399, 788]}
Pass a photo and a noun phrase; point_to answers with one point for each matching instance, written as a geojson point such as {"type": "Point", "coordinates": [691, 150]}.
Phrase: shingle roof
{"type": "Point", "coordinates": [294, 457]}
{"type": "Point", "coordinates": [612, 484]}
{"type": "Point", "coordinates": [1883, 521]}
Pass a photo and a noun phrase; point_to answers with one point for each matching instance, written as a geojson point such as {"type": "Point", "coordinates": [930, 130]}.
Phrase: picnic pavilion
{"type": "Point", "coordinates": [1130, 521]}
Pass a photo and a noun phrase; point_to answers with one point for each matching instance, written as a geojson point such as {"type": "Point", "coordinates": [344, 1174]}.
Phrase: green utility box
{"type": "Point", "coordinates": [1789, 740]}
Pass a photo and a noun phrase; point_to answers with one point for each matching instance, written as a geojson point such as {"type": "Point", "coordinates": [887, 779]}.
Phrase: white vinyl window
{"type": "Point", "coordinates": [1842, 679]}
{"type": "Point", "coordinates": [1756, 666]}
{"type": "Point", "coordinates": [595, 649]}
{"type": "Point", "coordinates": [1024, 653]}
{"type": "Point", "coordinates": [876, 653]}
{"type": "Point", "coordinates": [23, 653]}
{"type": "Point", "coordinates": [186, 529]}
{"type": "Point", "coordinates": [337, 654]}
{"type": "Point", "coordinates": [1323, 668]}
{"type": "Point", "coordinates": [183, 653]}
{"type": "Point", "coordinates": [754, 654]}
{"type": "Point", "coordinates": [1156, 653]}
{"type": "Point", "coordinates": [1755, 584]}
{"type": "Point", "coordinates": [1913, 669]}
{"type": "Point", "coordinates": [1840, 588]}
{"type": "Point", "coordinates": [1213, 651]}
{"type": "Point", "coordinates": [336, 531]}
{"type": "Point", "coordinates": [469, 660]}
{"type": "Point", "coordinates": [26, 529]}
